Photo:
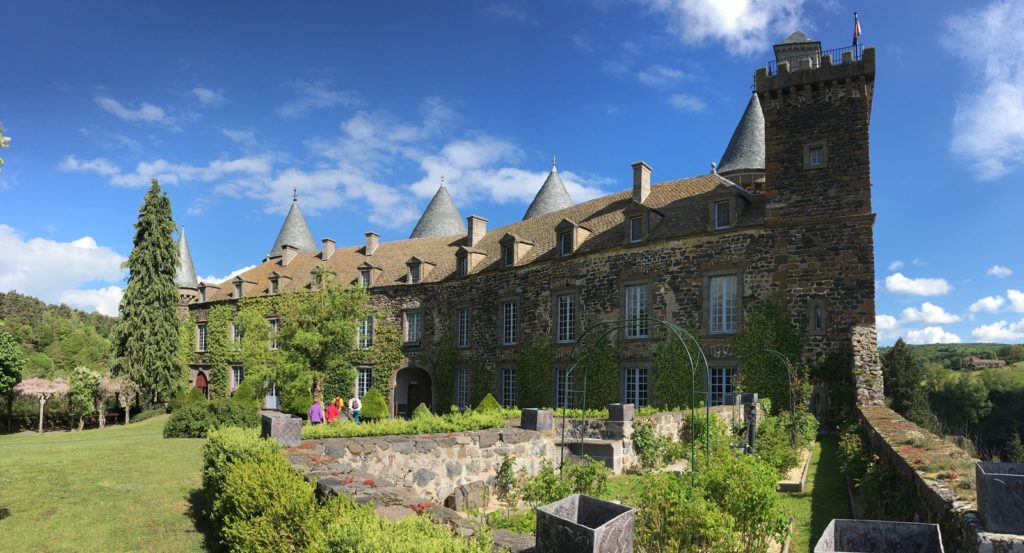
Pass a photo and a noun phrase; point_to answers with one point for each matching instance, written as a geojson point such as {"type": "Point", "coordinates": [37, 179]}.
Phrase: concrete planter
{"type": "Point", "coordinates": [286, 429]}
{"type": "Point", "coordinates": [580, 523]}
{"type": "Point", "coordinates": [536, 419]}
{"type": "Point", "coordinates": [874, 536]}
{"type": "Point", "coordinates": [1001, 496]}
{"type": "Point", "coordinates": [620, 412]}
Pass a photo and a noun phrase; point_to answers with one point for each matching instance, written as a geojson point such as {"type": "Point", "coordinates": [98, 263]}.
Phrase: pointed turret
{"type": "Point", "coordinates": [441, 218]}
{"type": "Point", "coordinates": [745, 153]}
{"type": "Point", "coordinates": [185, 275]}
{"type": "Point", "coordinates": [551, 197]}
{"type": "Point", "coordinates": [294, 232]}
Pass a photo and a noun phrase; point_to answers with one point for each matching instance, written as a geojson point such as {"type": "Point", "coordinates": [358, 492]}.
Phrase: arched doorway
{"type": "Point", "coordinates": [412, 387]}
{"type": "Point", "coordinates": [203, 384]}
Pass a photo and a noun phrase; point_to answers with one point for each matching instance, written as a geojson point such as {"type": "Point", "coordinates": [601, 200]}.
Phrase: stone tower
{"type": "Point", "coordinates": [185, 275]}
{"type": "Point", "coordinates": [818, 191]}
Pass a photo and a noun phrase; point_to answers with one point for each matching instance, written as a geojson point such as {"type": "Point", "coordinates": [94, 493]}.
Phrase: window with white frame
{"type": "Point", "coordinates": [414, 273]}
{"type": "Point", "coordinates": [366, 333]}
{"type": "Point", "coordinates": [563, 389]}
{"type": "Point", "coordinates": [508, 387]}
{"type": "Point", "coordinates": [636, 229]}
{"type": "Point", "coordinates": [509, 322]}
{"type": "Point", "coordinates": [237, 375]}
{"type": "Point", "coordinates": [462, 327]}
{"type": "Point", "coordinates": [462, 265]}
{"type": "Point", "coordinates": [508, 255]}
{"type": "Point", "coordinates": [363, 381]}
{"type": "Point", "coordinates": [364, 278]}
{"type": "Point", "coordinates": [565, 243]}
{"type": "Point", "coordinates": [723, 214]}
{"type": "Point", "coordinates": [201, 337]}
{"type": "Point", "coordinates": [637, 302]}
{"type": "Point", "coordinates": [816, 155]}
{"type": "Point", "coordinates": [722, 296]}
{"type": "Point", "coordinates": [722, 383]}
{"type": "Point", "coordinates": [236, 333]}
{"type": "Point", "coordinates": [462, 388]}
{"type": "Point", "coordinates": [275, 330]}
{"type": "Point", "coordinates": [413, 327]}
{"type": "Point", "coordinates": [565, 318]}
{"type": "Point", "coordinates": [635, 384]}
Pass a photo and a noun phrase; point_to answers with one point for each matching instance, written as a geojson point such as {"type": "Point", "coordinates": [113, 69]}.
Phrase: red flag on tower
{"type": "Point", "coordinates": [856, 28]}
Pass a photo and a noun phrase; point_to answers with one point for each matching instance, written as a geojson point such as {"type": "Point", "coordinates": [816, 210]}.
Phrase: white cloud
{"type": "Point", "coordinates": [686, 102]}
{"type": "Point", "coordinates": [899, 284]}
{"type": "Point", "coordinates": [999, 271]}
{"type": "Point", "coordinates": [931, 335]}
{"type": "Point", "coordinates": [509, 11]}
{"type": "Point", "coordinates": [988, 127]}
{"type": "Point", "coordinates": [1001, 331]}
{"type": "Point", "coordinates": [146, 112]}
{"type": "Point", "coordinates": [887, 327]}
{"type": "Point", "coordinates": [660, 76]}
{"type": "Point", "coordinates": [49, 269]}
{"type": "Point", "coordinates": [98, 165]}
{"type": "Point", "coordinates": [929, 313]}
{"type": "Point", "coordinates": [242, 136]}
{"type": "Point", "coordinates": [232, 274]}
{"type": "Point", "coordinates": [316, 95]}
{"type": "Point", "coordinates": [581, 42]}
{"type": "Point", "coordinates": [988, 304]}
{"type": "Point", "coordinates": [744, 27]}
{"type": "Point", "coordinates": [895, 265]}
{"type": "Point", "coordinates": [1016, 298]}
{"type": "Point", "coordinates": [208, 97]}
{"type": "Point", "coordinates": [104, 300]}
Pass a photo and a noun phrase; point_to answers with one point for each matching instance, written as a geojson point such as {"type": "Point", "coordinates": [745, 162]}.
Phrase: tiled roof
{"type": "Point", "coordinates": [185, 275]}
{"type": "Point", "coordinates": [441, 218]}
{"type": "Point", "coordinates": [551, 197]}
{"type": "Point", "coordinates": [796, 37]}
{"type": "Point", "coordinates": [682, 203]}
{"type": "Point", "coordinates": [294, 232]}
{"type": "Point", "coordinates": [746, 147]}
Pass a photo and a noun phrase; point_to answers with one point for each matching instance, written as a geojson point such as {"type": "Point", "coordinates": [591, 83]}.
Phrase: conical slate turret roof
{"type": "Point", "coordinates": [797, 37]}
{"type": "Point", "coordinates": [441, 218]}
{"type": "Point", "coordinates": [746, 147]}
{"type": "Point", "coordinates": [294, 232]}
{"type": "Point", "coordinates": [551, 197]}
{"type": "Point", "coordinates": [185, 275]}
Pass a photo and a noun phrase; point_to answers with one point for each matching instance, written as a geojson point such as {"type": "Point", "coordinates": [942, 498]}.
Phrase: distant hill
{"type": "Point", "coordinates": [948, 356]}
{"type": "Point", "coordinates": [56, 338]}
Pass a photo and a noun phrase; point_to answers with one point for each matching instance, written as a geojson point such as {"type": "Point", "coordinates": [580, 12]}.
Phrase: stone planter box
{"type": "Point", "coordinates": [284, 428]}
{"type": "Point", "coordinates": [580, 523]}
{"type": "Point", "coordinates": [620, 412]}
{"type": "Point", "coordinates": [874, 536]}
{"type": "Point", "coordinates": [1001, 496]}
{"type": "Point", "coordinates": [536, 419]}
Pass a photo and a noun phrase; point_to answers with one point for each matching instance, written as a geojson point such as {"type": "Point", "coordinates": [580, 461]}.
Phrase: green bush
{"type": "Point", "coordinates": [522, 523]}
{"type": "Point", "coordinates": [374, 406]}
{"type": "Point", "coordinates": [189, 421]}
{"type": "Point", "coordinates": [588, 476]}
{"type": "Point", "coordinates": [744, 487]}
{"type": "Point", "coordinates": [246, 395]}
{"type": "Point", "coordinates": [698, 429]}
{"type": "Point", "coordinates": [228, 412]}
{"type": "Point", "coordinates": [677, 516]}
{"type": "Point", "coordinates": [228, 445]}
{"type": "Point", "coordinates": [422, 412]}
{"type": "Point", "coordinates": [853, 457]}
{"type": "Point", "coordinates": [147, 414]}
{"type": "Point", "coordinates": [488, 405]}
{"type": "Point", "coordinates": [545, 486]}
{"type": "Point", "coordinates": [649, 447]}
{"type": "Point", "coordinates": [781, 438]}
{"type": "Point", "coordinates": [186, 396]}
{"type": "Point", "coordinates": [453, 422]}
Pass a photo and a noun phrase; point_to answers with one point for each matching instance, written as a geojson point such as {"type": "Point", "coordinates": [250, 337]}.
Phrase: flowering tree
{"type": "Point", "coordinates": [127, 394]}
{"type": "Point", "coordinates": [42, 389]}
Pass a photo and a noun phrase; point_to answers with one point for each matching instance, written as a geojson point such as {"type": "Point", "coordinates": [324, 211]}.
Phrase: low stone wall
{"type": "Point", "coordinates": [950, 503]}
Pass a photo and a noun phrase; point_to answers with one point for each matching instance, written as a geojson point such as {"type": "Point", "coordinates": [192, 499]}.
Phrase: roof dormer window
{"type": "Point", "coordinates": [462, 265]}
{"type": "Point", "coordinates": [568, 237]}
{"type": "Point", "coordinates": [723, 214]}
{"type": "Point", "coordinates": [636, 229]}
{"type": "Point", "coordinates": [274, 285]}
{"type": "Point", "coordinates": [202, 293]}
{"type": "Point", "coordinates": [513, 248]}
{"type": "Point", "coordinates": [239, 289]}
{"type": "Point", "coordinates": [414, 273]}
{"type": "Point", "coordinates": [508, 255]}
{"type": "Point", "coordinates": [364, 277]}
{"type": "Point", "coordinates": [565, 243]}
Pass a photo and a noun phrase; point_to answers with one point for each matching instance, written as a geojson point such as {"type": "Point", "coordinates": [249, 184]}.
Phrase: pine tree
{"type": "Point", "coordinates": [903, 378]}
{"type": "Point", "coordinates": [1014, 449]}
{"type": "Point", "coordinates": [12, 362]}
{"type": "Point", "coordinates": [146, 336]}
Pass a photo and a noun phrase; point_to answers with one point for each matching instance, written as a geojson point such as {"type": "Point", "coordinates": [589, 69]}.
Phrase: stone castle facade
{"type": "Point", "coordinates": [788, 212]}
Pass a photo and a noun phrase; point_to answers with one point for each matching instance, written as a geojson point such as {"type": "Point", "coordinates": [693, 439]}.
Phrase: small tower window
{"type": "Point", "coordinates": [816, 155]}
{"type": "Point", "coordinates": [817, 318]}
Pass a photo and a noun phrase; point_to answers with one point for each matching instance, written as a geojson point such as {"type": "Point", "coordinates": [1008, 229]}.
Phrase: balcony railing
{"type": "Point", "coordinates": [835, 54]}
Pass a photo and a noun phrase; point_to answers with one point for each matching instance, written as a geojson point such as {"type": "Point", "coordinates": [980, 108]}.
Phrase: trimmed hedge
{"type": "Point", "coordinates": [374, 406]}
{"type": "Point", "coordinates": [436, 424]}
{"type": "Point", "coordinates": [488, 405]}
{"type": "Point", "coordinates": [196, 420]}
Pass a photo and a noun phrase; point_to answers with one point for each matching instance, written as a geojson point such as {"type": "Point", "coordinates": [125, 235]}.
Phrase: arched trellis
{"type": "Point", "coordinates": [608, 327]}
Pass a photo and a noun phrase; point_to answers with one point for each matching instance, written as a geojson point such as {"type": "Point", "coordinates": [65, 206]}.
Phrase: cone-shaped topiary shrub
{"type": "Point", "coordinates": [374, 406]}
{"type": "Point", "coordinates": [421, 412]}
{"type": "Point", "coordinates": [488, 405]}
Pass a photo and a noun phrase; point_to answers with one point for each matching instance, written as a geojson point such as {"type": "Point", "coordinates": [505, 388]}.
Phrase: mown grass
{"type": "Point", "coordinates": [116, 489]}
{"type": "Point", "coordinates": [823, 499]}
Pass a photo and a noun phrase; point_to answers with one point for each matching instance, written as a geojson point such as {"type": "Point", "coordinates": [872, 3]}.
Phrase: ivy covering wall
{"type": "Point", "coordinates": [444, 372]}
{"type": "Point", "coordinates": [673, 380]}
{"type": "Point", "coordinates": [534, 362]}
{"type": "Point", "coordinates": [387, 356]}
{"type": "Point", "coordinates": [600, 362]}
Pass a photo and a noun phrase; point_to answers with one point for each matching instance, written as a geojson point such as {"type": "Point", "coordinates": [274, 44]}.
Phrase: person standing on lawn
{"type": "Point", "coordinates": [332, 412]}
{"type": "Point", "coordinates": [355, 405]}
{"type": "Point", "coordinates": [316, 413]}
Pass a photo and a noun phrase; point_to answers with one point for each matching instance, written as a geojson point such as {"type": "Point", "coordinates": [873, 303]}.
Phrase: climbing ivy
{"type": "Point", "coordinates": [673, 378]}
{"type": "Point", "coordinates": [387, 356]}
{"type": "Point", "coordinates": [187, 346]}
{"type": "Point", "coordinates": [444, 373]}
{"type": "Point", "coordinates": [253, 319]}
{"type": "Point", "coordinates": [218, 345]}
{"type": "Point", "coordinates": [768, 327]}
{"type": "Point", "coordinates": [534, 361]}
{"type": "Point", "coordinates": [599, 361]}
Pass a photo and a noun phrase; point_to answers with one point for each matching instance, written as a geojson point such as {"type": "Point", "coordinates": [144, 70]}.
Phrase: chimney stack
{"type": "Point", "coordinates": [372, 241]}
{"type": "Point", "coordinates": [288, 253]}
{"type": "Point", "coordinates": [477, 229]}
{"type": "Point", "coordinates": [328, 249]}
{"type": "Point", "coordinates": [641, 181]}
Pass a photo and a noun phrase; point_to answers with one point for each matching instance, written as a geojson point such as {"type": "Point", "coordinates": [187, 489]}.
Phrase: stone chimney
{"type": "Point", "coordinates": [328, 249]}
{"type": "Point", "coordinates": [288, 253]}
{"type": "Point", "coordinates": [477, 230]}
{"type": "Point", "coordinates": [641, 181]}
{"type": "Point", "coordinates": [372, 241]}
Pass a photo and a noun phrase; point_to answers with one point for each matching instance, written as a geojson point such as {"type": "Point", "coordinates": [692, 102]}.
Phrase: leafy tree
{"type": "Point", "coordinates": [85, 385]}
{"type": "Point", "coordinates": [1012, 354]}
{"type": "Point", "coordinates": [903, 380]}
{"type": "Point", "coordinates": [961, 403]}
{"type": "Point", "coordinates": [1014, 449]}
{"type": "Point", "coordinates": [12, 363]}
{"type": "Point", "coordinates": [146, 336]}
{"type": "Point", "coordinates": [768, 328]}
{"type": "Point", "coordinates": [42, 390]}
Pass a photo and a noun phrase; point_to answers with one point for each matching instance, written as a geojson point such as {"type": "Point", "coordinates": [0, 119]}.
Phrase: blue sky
{"type": "Point", "coordinates": [362, 106]}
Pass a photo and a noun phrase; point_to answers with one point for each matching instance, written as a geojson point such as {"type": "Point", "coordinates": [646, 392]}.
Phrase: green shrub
{"type": "Point", "coordinates": [587, 476]}
{"type": "Point", "coordinates": [189, 421]}
{"type": "Point", "coordinates": [773, 444]}
{"type": "Point", "coordinates": [522, 523]}
{"type": "Point", "coordinates": [545, 486]}
{"type": "Point", "coordinates": [488, 405]}
{"type": "Point", "coordinates": [454, 422]}
{"type": "Point", "coordinates": [374, 406]}
{"type": "Point", "coordinates": [228, 412]}
{"type": "Point", "coordinates": [245, 395]}
{"type": "Point", "coordinates": [744, 487]}
{"type": "Point", "coordinates": [698, 429]}
{"type": "Point", "coordinates": [853, 457]}
{"type": "Point", "coordinates": [649, 447]}
{"type": "Point", "coordinates": [186, 396]}
{"type": "Point", "coordinates": [422, 412]}
{"type": "Point", "coordinates": [677, 516]}
{"type": "Point", "coordinates": [147, 414]}
{"type": "Point", "coordinates": [227, 445]}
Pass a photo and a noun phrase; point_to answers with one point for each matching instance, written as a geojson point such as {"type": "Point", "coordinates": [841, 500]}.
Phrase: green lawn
{"type": "Point", "coordinates": [116, 489]}
{"type": "Point", "coordinates": [823, 499]}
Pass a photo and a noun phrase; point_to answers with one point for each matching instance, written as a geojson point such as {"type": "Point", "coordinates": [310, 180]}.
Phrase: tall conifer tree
{"type": "Point", "coordinates": [146, 336]}
{"type": "Point", "coordinates": [903, 379]}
